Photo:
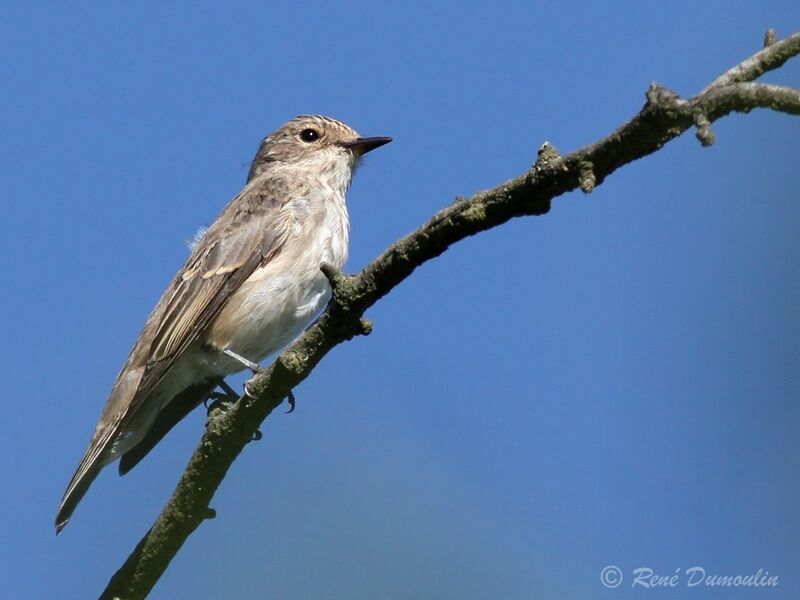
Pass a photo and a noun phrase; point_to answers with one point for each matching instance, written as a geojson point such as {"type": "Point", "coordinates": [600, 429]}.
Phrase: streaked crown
{"type": "Point", "coordinates": [300, 139]}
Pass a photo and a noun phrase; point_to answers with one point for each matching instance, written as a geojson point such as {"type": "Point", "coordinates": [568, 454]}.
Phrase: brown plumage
{"type": "Point", "coordinates": [251, 284]}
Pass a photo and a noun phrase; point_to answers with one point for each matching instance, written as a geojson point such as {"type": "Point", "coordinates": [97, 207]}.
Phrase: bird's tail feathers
{"type": "Point", "coordinates": [91, 464]}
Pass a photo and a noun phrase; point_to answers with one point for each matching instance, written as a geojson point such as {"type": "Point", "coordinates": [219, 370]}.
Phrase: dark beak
{"type": "Point", "coordinates": [363, 145]}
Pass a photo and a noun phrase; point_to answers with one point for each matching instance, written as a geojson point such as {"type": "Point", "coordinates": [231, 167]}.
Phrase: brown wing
{"type": "Point", "coordinates": [249, 232]}
{"type": "Point", "coordinates": [206, 283]}
{"type": "Point", "coordinates": [169, 416]}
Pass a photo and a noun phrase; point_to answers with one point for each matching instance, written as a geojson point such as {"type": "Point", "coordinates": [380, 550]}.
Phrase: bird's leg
{"type": "Point", "coordinates": [227, 393]}
{"type": "Point", "coordinates": [254, 368]}
{"type": "Point", "coordinates": [247, 363]}
{"type": "Point", "coordinates": [224, 399]}
{"type": "Point", "coordinates": [227, 389]}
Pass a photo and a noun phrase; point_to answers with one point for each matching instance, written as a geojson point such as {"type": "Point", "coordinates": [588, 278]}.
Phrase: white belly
{"type": "Point", "coordinates": [274, 308]}
{"type": "Point", "coordinates": [280, 299]}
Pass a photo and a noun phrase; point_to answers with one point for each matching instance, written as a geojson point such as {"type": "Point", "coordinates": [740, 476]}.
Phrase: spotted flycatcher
{"type": "Point", "coordinates": [251, 285]}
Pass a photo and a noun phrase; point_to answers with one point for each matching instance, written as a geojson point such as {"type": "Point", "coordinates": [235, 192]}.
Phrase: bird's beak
{"type": "Point", "coordinates": [363, 145]}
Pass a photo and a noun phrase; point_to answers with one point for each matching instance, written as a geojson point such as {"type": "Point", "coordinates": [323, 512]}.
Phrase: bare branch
{"type": "Point", "coordinates": [774, 54]}
{"type": "Point", "coordinates": [742, 97]}
{"type": "Point", "coordinates": [770, 37]}
{"type": "Point", "coordinates": [664, 117]}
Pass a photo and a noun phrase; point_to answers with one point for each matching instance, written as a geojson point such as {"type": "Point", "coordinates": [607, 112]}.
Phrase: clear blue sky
{"type": "Point", "coordinates": [617, 382]}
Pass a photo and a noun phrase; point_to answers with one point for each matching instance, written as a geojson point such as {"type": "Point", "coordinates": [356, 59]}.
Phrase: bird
{"type": "Point", "coordinates": [251, 285]}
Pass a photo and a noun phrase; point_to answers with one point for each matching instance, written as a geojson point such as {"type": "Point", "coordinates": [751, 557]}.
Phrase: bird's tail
{"type": "Point", "coordinates": [77, 487]}
{"type": "Point", "coordinates": [106, 443]}
{"type": "Point", "coordinates": [93, 461]}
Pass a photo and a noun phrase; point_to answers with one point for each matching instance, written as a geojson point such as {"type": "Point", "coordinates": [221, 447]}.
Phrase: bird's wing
{"type": "Point", "coordinates": [222, 262]}
{"type": "Point", "coordinates": [169, 416]}
{"type": "Point", "coordinates": [249, 232]}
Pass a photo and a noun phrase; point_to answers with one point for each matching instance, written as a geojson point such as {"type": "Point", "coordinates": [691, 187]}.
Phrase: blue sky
{"type": "Point", "coordinates": [615, 383]}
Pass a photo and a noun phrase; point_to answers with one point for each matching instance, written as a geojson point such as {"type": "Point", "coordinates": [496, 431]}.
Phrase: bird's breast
{"type": "Point", "coordinates": [283, 296]}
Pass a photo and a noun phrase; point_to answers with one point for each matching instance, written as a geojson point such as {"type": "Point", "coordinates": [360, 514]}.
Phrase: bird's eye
{"type": "Point", "coordinates": [309, 135]}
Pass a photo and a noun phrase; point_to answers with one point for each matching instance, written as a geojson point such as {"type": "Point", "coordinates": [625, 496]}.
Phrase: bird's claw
{"type": "Point", "coordinates": [289, 397]}
{"type": "Point", "coordinates": [220, 402]}
{"type": "Point", "coordinates": [217, 397]}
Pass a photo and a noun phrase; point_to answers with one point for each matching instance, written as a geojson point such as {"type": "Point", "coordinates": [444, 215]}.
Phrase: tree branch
{"type": "Point", "coordinates": [664, 117]}
{"type": "Point", "coordinates": [768, 59]}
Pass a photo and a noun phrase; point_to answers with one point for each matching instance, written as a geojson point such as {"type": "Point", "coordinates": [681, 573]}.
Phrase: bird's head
{"type": "Point", "coordinates": [314, 142]}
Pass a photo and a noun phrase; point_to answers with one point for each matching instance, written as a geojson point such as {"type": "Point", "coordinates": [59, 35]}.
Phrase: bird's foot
{"type": "Point", "coordinates": [247, 391]}
{"type": "Point", "coordinates": [218, 401]}
{"type": "Point", "coordinates": [223, 400]}
{"type": "Point", "coordinates": [289, 397]}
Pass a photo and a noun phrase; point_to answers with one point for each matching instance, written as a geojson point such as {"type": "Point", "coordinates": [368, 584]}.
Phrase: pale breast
{"type": "Point", "coordinates": [280, 298]}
